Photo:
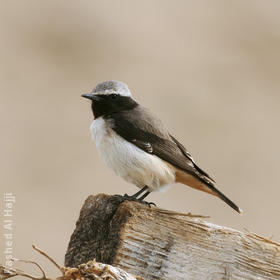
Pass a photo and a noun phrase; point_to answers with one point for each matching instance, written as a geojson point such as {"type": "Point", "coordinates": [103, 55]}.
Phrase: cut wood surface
{"type": "Point", "coordinates": [159, 244]}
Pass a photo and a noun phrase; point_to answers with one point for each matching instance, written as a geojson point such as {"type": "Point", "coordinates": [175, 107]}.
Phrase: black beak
{"type": "Point", "coordinates": [91, 96]}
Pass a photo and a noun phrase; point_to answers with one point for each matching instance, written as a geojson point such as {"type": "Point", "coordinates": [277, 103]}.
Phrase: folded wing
{"type": "Point", "coordinates": [148, 133]}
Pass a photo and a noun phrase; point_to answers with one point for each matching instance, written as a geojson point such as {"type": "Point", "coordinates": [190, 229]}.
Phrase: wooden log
{"type": "Point", "coordinates": [159, 244]}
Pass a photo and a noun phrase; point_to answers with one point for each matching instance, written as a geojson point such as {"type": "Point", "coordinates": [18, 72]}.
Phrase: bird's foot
{"type": "Point", "coordinates": [150, 204]}
{"type": "Point", "coordinates": [135, 199]}
{"type": "Point", "coordinates": [130, 197]}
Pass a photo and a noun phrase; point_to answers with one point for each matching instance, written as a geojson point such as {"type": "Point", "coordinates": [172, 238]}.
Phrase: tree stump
{"type": "Point", "coordinates": [159, 244]}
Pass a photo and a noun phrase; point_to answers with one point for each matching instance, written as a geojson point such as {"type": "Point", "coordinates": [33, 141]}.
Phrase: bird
{"type": "Point", "coordinates": [138, 147]}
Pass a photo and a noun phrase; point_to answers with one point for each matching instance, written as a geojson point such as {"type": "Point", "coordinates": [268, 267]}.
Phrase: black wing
{"type": "Point", "coordinates": [188, 155]}
{"type": "Point", "coordinates": [148, 133]}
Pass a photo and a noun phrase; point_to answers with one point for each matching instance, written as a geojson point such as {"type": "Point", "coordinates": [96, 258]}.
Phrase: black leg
{"type": "Point", "coordinates": [144, 195]}
{"type": "Point", "coordinates": [141, 199]}
{"type": "Point", "coordinates": [138, 193]}
{"type": "Point", "coordinates": [134, 197]}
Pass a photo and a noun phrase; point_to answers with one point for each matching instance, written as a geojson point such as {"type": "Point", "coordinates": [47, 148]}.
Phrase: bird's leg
{"type": "Point", "coordinates": [141, 199]}
{"type": "Point", "coordinates": [134, 196]}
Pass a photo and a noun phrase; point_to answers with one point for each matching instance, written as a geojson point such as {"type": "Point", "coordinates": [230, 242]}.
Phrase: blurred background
{"type": "Point", "coordinates": [209, 69]}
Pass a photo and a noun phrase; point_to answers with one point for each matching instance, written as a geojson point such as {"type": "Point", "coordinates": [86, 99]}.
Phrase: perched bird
{"type": "Point", "coordinates": [138, 147]}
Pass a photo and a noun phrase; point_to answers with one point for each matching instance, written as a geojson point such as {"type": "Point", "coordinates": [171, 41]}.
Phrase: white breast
{"type": "Point", "coordinates": [129, 161]}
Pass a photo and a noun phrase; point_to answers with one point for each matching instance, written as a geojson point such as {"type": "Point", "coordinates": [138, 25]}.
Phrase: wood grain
{"type": "Point", "coordinates": [160, 244]}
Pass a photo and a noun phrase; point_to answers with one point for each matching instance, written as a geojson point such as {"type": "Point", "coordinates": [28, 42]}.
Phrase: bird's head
{"type": "Point", "coordinates": [110, 97]}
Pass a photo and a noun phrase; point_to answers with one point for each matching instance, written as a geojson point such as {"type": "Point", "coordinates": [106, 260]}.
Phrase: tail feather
{"type": "Point", "coordinates": [218, 193]}
{"type": "Point", "coordinates": [226, 199]}
{"type": "Point", "coordinates": [202, 183]}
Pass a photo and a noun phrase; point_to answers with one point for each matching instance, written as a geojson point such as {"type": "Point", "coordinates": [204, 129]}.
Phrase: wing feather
{"type": "Point", "coordinates": [188, 155]}
{"type": "Point", "coordinates": [148, 133]}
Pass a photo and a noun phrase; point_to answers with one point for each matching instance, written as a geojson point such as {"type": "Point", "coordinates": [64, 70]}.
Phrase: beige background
{"type": "Point", "coordinates": [209, 69]}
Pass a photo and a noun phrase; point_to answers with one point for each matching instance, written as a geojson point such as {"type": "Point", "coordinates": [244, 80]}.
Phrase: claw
{"type": "Point", "coordinates": [133, 198]}
{"type": "Point", "coordinates": [152, 204]}
{"type": "Point", "coordinates": [127, 197]}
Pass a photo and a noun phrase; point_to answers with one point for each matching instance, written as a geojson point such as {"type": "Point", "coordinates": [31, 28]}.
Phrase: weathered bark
{"type": "Point", "coordinates": [160, 244]}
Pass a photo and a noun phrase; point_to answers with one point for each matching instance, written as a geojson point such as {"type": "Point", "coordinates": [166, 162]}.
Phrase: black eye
{"type": "Point", "coordinates": [114, 96]}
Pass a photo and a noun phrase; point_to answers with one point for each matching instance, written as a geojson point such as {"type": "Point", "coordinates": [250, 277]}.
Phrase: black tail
{"type": "Point", "coordinates": [226, 200]}
{"type": "Point", "coordinates": [210, 185]}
